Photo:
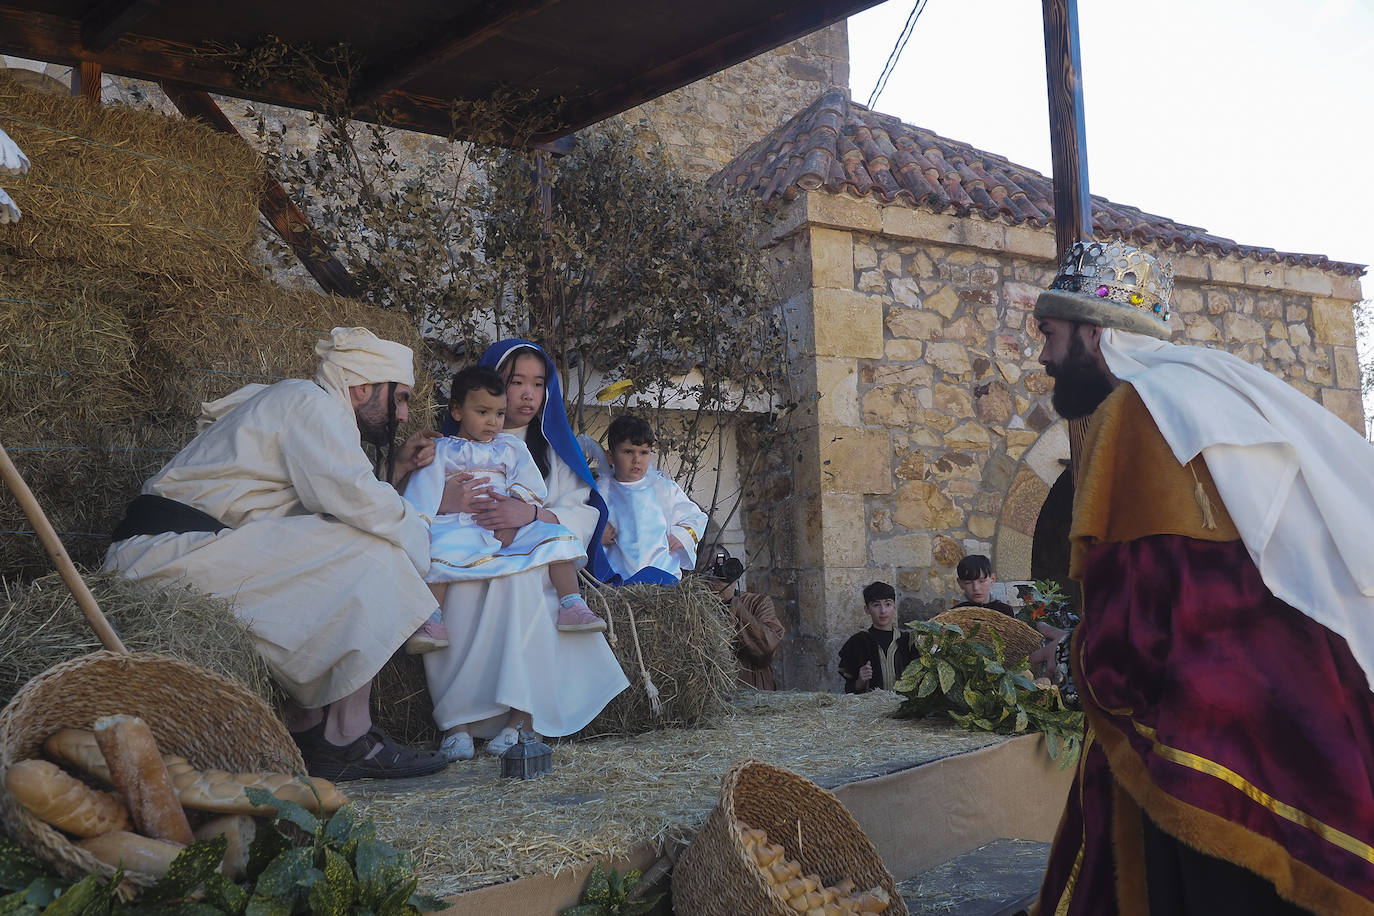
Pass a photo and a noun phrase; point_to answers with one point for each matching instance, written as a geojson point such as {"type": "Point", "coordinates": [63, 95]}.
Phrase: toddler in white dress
{"type": "Point", "coordinates": [460, 548]}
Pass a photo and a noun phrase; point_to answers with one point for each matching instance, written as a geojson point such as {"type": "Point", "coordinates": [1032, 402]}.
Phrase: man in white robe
{"type": "Point", "coordinates": [276, 507]}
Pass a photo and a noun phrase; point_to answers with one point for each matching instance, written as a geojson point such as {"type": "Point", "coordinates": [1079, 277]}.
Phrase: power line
{"type": "Point", "coordinates": [917, 8]}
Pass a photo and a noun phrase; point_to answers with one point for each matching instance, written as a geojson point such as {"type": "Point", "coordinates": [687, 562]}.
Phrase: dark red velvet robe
{"type": "Point", "coordinates": [1238, 725]}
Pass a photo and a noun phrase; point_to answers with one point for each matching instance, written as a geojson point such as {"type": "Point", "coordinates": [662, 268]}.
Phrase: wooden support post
{"type": "Point", "coordinates": [274, 202]}
{"type": "Point", "coordinates": [1068, 141]}
{"type": "Point", "coordinates": [90, 81]}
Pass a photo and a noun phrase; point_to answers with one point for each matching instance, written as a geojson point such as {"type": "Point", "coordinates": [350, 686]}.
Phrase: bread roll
{"type": "Point", "coordinates": [868, 903]}
{"type": "Point", "coordinates": [140, 777]}
{"type": "Point", "coordinates": [219, 790]}
{"type": "Point", "coordinates": [64, 801]}
{"type": "Point", "coordinates": [239, 830]}
{"type": "Point", "coordinates": [135, 853]}
{"type": "Point", "coordinates": [798, 903]}
{"type": "Point", "coordinates": [77, 748]}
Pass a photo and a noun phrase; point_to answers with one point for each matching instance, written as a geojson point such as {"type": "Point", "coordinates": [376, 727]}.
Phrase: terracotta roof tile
{"type": "Point", "coordinates": [841, 146]}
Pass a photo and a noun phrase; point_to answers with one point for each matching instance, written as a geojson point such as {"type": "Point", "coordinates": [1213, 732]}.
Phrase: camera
{"type": "Point", "coordinates": [724, 567]}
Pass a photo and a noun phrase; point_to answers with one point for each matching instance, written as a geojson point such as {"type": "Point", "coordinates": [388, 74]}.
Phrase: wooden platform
{"type": "Point", "coordinates": [924, 792]}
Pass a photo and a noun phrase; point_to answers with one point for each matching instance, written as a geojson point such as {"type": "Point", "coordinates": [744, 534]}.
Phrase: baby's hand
{"type": "Point", "coordinates": [674, 544]}
{"type": "Point", "coordinates": [505, 535]}
{"type": "Point", "coordinates": [608, 535]}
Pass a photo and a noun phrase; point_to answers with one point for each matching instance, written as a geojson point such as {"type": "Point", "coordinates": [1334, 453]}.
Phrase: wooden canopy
{"type": "Point", "coordinates": [600, 56]}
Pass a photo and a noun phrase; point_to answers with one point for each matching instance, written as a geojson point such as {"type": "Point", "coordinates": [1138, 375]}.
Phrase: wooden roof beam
{"type": "Point", "coordinates": [481, 25]}
{"type": "Point", "coordinates": [110, 19]}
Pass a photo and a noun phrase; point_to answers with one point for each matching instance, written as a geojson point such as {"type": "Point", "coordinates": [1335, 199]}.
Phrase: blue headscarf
{"type": "Point", "coordinates": [553, 422]}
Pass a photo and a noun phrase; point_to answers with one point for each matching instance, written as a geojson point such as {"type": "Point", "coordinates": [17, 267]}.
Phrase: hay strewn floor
{"type": "Point", "coordinates": [466, 827]}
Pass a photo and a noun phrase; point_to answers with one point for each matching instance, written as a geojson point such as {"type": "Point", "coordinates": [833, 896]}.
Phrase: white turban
{"type": "Point", "coordinates": [356, 356]}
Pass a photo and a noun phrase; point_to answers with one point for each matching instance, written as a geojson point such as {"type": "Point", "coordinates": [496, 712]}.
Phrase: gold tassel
{"type": "Point", "coordinates": [1209, 521]}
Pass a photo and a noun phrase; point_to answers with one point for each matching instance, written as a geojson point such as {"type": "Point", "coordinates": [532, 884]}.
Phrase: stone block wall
{"type": "Point", "coordinates": [706, 124]}
{"type": "Point", "coordinates": [927, 431]}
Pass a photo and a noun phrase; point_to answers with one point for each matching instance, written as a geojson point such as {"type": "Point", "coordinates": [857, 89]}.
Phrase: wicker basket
{"type": "Point", "coordinates": [1021, 640]}
{"type": "Point", "coordinates": [716, 876]}
{"type": "Point", "coordinates": [211, 721]}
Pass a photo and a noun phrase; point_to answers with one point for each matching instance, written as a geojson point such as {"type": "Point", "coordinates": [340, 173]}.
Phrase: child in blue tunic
{"type": "Point", "coordinates": [461, 549]}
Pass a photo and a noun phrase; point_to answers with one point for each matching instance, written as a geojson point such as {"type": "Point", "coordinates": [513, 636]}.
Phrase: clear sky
{"type": "Point", "coordinates": [1249, 119]}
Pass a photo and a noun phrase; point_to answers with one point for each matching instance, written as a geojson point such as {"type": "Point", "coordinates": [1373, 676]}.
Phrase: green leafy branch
{"type": "Point", "coordinates": [971, 682]}
{"type": "Point", "coordinates": [609, 894]}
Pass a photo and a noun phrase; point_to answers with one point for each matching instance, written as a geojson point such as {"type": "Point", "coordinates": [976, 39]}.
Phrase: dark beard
{"type": "Point", "coordinates": [1080, 385]}
{"type": "Point", "coordinates": [377, 426]}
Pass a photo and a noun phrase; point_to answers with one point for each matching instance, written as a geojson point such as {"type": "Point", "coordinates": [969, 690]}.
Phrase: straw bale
{"type": "Point", "coordinates": [126, 188]}
{"type": "Point", "coordinates": [202, 340]}
{"type": "Point", "coordinates": [82, 487]}
{"type": "Point", "coordinates": [466, 827]}
{"type": "Point", "coordinates": [686, 639]}
{"type": "Point", "coordinates": [66, 350]}
{"type": "Point", "coordinates": [41, 626]}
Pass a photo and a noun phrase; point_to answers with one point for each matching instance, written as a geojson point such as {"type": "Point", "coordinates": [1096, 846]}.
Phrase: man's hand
{"type": "Point", "coordinates": [865, 676]}
{"type": "Point", "coordinates": [464, 493]}
{"type": "Point", "coordinates": [505, 535]}
{"type": "Point", "coordinates": [608, 535]}
{"type": "Point", "coordinates": [496, 511]}
{"type": "Point", "coordinates": [674, 544]}
{"type": "Point", "coordinates": [415, 453]}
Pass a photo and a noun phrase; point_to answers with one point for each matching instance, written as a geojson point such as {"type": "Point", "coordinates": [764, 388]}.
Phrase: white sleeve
{"type": "Point", "coordinates": [523, 480]}
{"type": "Point", "coordinates": [425, 487]}
{"type": "Point", "coordinates": [331, 476]}
{"type": "Point", "coordinates": [685, 518]}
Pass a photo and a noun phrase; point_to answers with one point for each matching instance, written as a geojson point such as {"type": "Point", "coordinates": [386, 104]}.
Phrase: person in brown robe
{"type": "Point", "coordinates": [758, 632]}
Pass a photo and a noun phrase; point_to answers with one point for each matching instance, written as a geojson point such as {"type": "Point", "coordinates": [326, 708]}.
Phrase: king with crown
{"type": "Point", "coordinates": [1223, 534]}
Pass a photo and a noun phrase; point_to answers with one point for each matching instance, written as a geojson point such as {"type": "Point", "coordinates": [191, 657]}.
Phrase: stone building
{"type": "Point", "coordinates": [910, 265]}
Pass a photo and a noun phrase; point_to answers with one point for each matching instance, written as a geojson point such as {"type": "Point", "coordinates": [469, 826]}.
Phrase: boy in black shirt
{"type": "Point", "coordinates": [976, 580]}
{"type": "Point", "coordinates": [873, 659]}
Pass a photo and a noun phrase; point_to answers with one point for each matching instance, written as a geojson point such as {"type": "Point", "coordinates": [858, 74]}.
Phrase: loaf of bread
{"type": "Point", "coordinates": [140, 777]}
{"type": "Point", "coordinates": [64, 801]}
{"type": "Point", "coordinates": [77, 748]}
{"type": "Point", "coordinates": [218, 790]}
{"type": "Point", "coordinates": [239, 830]}
{"type": "Point", "coordinates": [132, 852]}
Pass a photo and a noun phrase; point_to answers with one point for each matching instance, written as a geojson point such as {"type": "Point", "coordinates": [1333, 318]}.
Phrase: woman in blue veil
{"type": "Point", "coordinates": [506, 664]}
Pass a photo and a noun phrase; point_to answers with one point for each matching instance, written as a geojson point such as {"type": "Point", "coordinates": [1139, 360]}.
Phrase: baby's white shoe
{"type": "Point", "coordinates": [503, 741]}
{"type": "Point", "coordinates": [457, 746]}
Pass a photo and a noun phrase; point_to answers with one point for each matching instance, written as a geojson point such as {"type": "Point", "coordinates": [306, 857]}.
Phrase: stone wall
{"type": "Point", "coordinates": [707, 123]}
{"type": "Point", "coordinates": [932, 435]}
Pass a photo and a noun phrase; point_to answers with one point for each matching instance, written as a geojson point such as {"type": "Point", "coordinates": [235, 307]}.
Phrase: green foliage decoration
{"type": "Point", "coordinates": [972, 683]}
{"type": "Point", "coordinates": [608, 893]}
{"type": "Point", "coordinates": [298, 863]}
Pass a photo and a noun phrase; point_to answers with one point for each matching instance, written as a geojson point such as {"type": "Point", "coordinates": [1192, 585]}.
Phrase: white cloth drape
{"type": "Point", "coordinates": [321, 560]}
{"type": "Point", "coordinates": [1297, 481]}
{"type": "Point", "coordinates": [505, 651]}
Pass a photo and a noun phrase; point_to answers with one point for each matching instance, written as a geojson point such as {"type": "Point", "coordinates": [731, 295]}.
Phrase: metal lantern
{"type": "Point", "coordinates": [527, 757]}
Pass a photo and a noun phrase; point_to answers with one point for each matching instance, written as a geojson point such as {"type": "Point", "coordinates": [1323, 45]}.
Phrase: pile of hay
{"type": "Point", "coordinates": [127, 301]}
{"type": "Point", "coordinates": [685, 636]}
{"type": "Point", "coordinates": [126, 189]}
{"type": "Point", "coordinates": [41, 626]}
{"type": "Point", "coordinates": [466, 827]}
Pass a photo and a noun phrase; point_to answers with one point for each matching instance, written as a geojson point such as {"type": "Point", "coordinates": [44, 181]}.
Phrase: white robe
{"type": "Point", "coordinates": [321, 560]}
{"type": "Point", "coordinates": [645, 512]}
{"type": "Point", "coordinates": [505, 651]}
{"type": "Point", "coordinates": [461, 549]}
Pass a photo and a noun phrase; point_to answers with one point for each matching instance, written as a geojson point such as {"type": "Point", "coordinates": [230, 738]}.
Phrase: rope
{"type": "Point", "coordinates": [655, 704]}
